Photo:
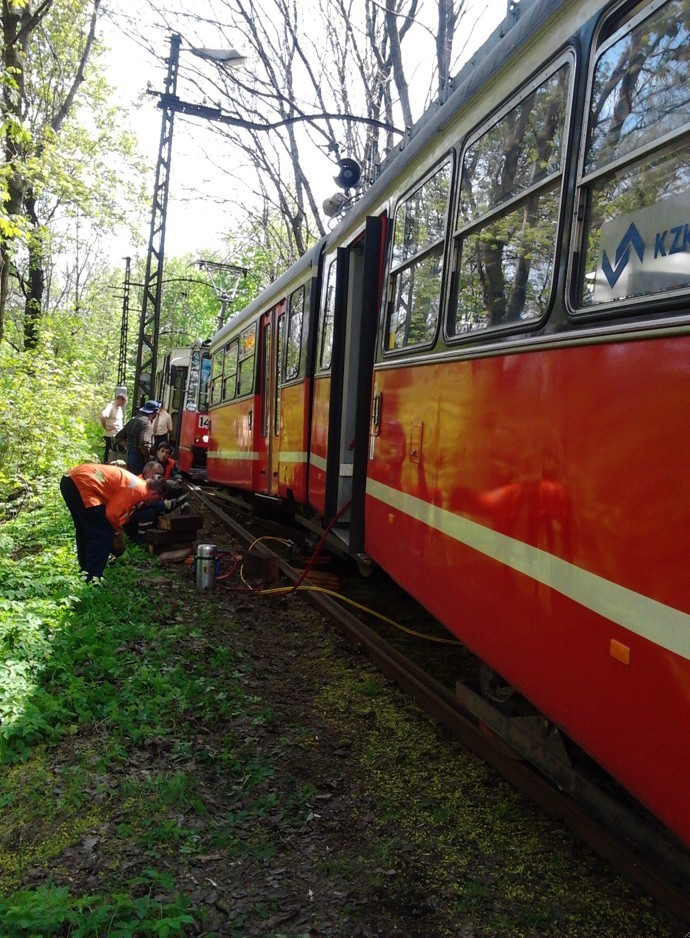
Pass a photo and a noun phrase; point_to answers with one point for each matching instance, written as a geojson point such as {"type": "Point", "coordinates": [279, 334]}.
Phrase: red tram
{"type": "Point", "coordinates": [483, 370]}
{"type": "Point", "coordinates": [182, 387]}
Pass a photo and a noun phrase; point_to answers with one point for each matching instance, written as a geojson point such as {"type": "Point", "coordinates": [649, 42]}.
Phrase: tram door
{"type": "Point", "coordinates": [354, 319]}
{"type": "Point", "coordinates": [178, 379]}
{"type": "Point", "coordinates": [268, 429]}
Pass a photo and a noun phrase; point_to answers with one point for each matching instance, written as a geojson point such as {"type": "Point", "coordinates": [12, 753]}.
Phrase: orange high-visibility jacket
{"type": "Point", "coordinates": [119, 490]}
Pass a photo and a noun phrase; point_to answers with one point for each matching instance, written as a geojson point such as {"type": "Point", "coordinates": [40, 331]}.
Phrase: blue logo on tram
{"type": "Point", "coordinates": [632, 237]}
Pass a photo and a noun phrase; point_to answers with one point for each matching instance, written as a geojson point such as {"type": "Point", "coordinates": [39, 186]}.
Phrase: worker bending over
{"type": "Point", "coordinates": [101, 498]}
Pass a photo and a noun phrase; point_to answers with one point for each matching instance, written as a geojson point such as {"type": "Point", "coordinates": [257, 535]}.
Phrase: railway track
{"type": "Point", "coordinates": [526, 751]}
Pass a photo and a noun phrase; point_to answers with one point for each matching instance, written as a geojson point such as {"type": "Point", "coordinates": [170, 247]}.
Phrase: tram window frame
{"type": "Point", "coordinates": [230, 367]}
{"type": "Point", "coordinates": [550, 185]}
{"type": "Point", "coordinates": [246, 361]}
{"type": "Point", "coordinates": [413, 261]}
{"type": "Point", "coordinates": [327, 317]}
{"type": "Point", "coordinates": [216, 380]}
{"type": "Point", "coordinates": [295, 331]}
{"type": "Point", "coordinates": [631, 289]}
{"type": "Point", "coordinates": [280, 343]}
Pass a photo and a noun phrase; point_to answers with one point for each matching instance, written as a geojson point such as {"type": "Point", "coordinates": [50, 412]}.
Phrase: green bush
{"type": "Point", "coordinates": [48, 422]}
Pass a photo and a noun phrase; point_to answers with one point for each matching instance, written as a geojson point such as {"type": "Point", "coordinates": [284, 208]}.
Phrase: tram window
{"type": "Point", "coordinates": [178, 389]}
{"type": "Point", "coordinates": [524, 148]}
{"type": "Point", "coordinates": [217, 376]}
{"type": "Point", "coordinates": [417, 262]}
{"type": "Point", "coordinates": [204, 383]}
{"type": "Point", "coordinates": [635, 187]}
{"type": "Point", "coordinates": [326, 319]}
{"type": "Point", "coordinates": [267, 364]}
{"type": "Point", "coordinates": [640, 85]}
{"type": "Point", "coordinates": [508, 211]}
{"type": "Point", "coordinates": [279, 357]}
{"type": "Point", "coordinates": [191, 398]}
{"type": "Point", "coordinates": [245, 381]}
{"type": "Point", "coordinates": [414, 312]}
{"type": "Point", "coordinates": [294, 336]}
{"type": "Point", "coordinates": [230, 371]}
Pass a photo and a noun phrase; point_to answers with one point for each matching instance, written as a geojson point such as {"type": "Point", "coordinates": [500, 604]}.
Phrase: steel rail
{"type": "Point", "coordinates": [632, 847]}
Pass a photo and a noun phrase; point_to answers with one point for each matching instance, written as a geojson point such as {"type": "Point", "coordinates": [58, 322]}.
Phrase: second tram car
{"type": "Point", "coordinates": [261, 390]}
{"type": "Point", "coordinates": [483, 372]}
{"type": "Point", "coordinates": [182, 387]}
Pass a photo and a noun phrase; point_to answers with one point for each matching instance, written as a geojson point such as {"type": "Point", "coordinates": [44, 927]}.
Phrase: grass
{"type": "Point", "coordinates": [53, 910]}
{"type": "Point", "coordinates": [475, 850]}
{"type": "Point", "coordinates": [96, 682]}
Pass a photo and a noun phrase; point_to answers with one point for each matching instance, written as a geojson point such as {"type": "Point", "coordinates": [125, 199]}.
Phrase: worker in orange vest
{"type": "Point", "coordinates": [100, 499]}
{"type": "Point", "coordinates": [164, 457]}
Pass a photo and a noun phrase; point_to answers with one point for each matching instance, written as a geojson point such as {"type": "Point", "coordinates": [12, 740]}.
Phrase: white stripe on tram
{"type": "Point", "coordinates": [240, 456]}
{"type": "Point", "coordinates": [318, 462]}
{"type": "Point", "coordinates": [661, 624]}
{"type": "Point", "coordinates": [233, 455]}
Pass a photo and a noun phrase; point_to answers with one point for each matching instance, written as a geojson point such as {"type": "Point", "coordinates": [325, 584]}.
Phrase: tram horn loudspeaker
{"type": "Point", "coordinates": [349, 175]}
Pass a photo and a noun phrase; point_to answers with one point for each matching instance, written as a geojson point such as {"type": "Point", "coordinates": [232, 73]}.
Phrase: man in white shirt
{"type": "Point", "coordinates": [112, 419]}
{"type": "Point", "coordinates": [162, 428]}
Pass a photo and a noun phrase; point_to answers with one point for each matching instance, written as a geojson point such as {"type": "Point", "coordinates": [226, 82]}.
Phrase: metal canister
{"type": "Point", "coordinates": [206, 566]}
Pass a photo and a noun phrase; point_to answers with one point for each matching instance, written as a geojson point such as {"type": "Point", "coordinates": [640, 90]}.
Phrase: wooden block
{"type": "Point", "coordinates": [159, 537]}
{"type": "Point", "coordinates": [328, 581]}
{"type": "Point", "coordinates": [159, 549]}
{"type": "Point", "coordinates": [175, 556]}
{"type": "Point", "coordinates": [180, 522]}
{"type": "Point", "coordinates": [260, 564]}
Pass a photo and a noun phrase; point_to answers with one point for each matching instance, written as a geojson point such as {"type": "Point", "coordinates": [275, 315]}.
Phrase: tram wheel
{"type": "Point", "coordinates": [496, 690]}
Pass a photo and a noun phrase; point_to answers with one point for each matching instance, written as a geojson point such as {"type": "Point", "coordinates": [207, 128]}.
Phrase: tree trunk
{"type": "Point", "coordinates": [15, 36]}
{"type": "Point", "coordinates": [19, 22]}
{"type": "Point", "coordinates": [35, 280]}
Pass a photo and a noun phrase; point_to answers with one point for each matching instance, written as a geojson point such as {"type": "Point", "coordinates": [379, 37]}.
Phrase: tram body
{"type": "Point", "coordinates": [182, 387]}
{"type": "Point", "coordinates": [495, 376]}
{"type": "Point", "coordinates": [259, 433]}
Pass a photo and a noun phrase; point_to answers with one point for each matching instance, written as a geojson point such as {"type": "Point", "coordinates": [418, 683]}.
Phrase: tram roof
{"type": "Point", "coordinates": [512, 34]}
{"type": "Point", "coordinates": [509, 38]}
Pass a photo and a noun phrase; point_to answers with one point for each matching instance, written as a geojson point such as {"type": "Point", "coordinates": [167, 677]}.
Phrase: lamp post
{"type": "Point", "coordinates": [171, 104]}
{"type": "Point", "coordinates": [147, 349]}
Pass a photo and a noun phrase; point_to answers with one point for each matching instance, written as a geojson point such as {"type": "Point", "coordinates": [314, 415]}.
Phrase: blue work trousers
{"type": "Point", "coordinates": [94, 532]}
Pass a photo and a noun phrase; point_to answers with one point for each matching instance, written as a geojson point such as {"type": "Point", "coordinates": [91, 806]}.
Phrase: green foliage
{"type": "Point", "coordinates": [72, 172]}
{"type": "Point", "coordinates": [53, 910]}
{"type": "Point", "coordinates": [46, 423]}
{"type": "Point", "coordinates": [90, 677]}
{"type": "Point", "coordinates": [190, 307]}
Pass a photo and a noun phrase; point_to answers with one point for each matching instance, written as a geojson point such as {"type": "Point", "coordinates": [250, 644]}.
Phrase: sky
{"type": "Point", "coordinates": [203, 200]}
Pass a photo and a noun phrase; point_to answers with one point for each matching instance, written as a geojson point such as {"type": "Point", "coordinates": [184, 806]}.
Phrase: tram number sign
{"type": "Point", "coordinates": [204, 421]}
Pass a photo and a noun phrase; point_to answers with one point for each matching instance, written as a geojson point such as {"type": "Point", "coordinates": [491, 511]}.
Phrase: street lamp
{"type": "Point", "coordinates": [147, 349]}
{"type": "Point", "coordinates": [230, 57]}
